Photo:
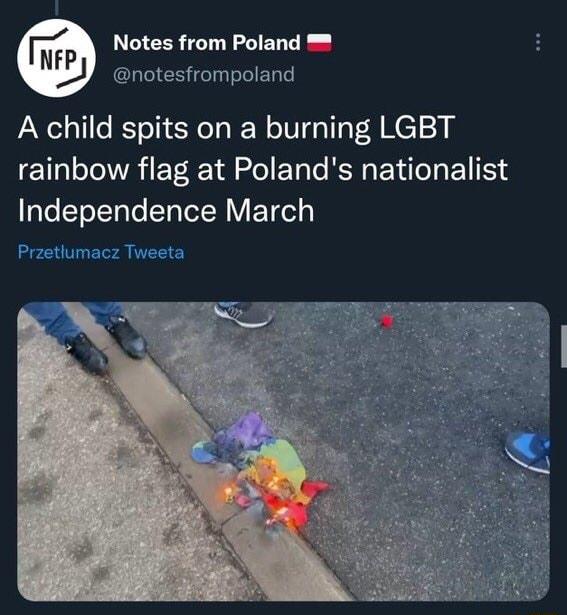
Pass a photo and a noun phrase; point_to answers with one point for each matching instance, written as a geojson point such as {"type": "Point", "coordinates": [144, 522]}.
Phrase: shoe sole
{"type": "Point", "coordinates": [223, 314]}
{"type": "Point", "coordinates": [525, 465]}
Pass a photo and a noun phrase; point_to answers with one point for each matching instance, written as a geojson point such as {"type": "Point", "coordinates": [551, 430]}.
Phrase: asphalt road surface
{"type": "Point", "coordinates": [406, 423]}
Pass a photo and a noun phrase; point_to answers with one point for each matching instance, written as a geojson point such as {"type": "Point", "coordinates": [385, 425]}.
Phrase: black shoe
{"type": "Point", "coordinates": [87, 354]}
{"type": "Point", "coordinates": [131, 342]}
{"type": "Point", "coordinates": [246, 315]}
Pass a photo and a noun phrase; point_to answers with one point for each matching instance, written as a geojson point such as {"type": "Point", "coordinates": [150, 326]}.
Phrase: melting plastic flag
{"type": "Point", "coordinates": [271, 472]}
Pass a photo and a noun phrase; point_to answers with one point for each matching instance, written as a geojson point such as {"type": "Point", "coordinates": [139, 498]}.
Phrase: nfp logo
{"type": "Point", "coordinates": [56, 57]}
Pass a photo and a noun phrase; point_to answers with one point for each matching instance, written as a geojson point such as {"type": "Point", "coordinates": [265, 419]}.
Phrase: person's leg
{"type": "Point", "coordinates": [244, 314]}
{"type": "Point", "coordinates": [110, 315]}
{"type": "Point", "coordinates": [104, 311]}
{"type": "Point", "coordinates": [55, 320]}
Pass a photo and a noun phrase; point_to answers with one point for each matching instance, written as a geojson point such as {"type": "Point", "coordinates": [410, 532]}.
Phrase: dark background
{"type": "Point", "coordinates": [419, 241]}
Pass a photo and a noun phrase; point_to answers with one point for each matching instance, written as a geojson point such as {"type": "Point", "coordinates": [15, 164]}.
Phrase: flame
{"type": "Point", "coordinates": [228, 494]}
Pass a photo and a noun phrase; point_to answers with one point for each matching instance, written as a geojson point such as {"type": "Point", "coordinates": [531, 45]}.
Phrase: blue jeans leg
{"type": "Point", "coordinates": [103, 311]}
{"type": "Point", "coordinates": [55, 320]}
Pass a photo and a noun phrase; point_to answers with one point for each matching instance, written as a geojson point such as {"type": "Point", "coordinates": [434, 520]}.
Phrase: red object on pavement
{"type": "Point", "coordinates": [292, 514]}
{"type": "Point", "coordinates": [297, 514]}
{"type": "Point", "coordinates": [311, 488]}
{"type": "Point", "coordinates": [242, 500]}
{"type": "Point", "coordinates": [387, 321]}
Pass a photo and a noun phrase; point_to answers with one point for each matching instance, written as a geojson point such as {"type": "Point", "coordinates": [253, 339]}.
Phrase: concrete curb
{"type": "Point", "coordinates": [286, 569]}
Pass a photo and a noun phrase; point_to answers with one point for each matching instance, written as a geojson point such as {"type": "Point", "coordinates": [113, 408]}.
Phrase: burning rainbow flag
{"type": "Point", "coordinates": [271, 474]}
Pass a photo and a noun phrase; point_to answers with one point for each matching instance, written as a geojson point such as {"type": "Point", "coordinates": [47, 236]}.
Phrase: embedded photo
{"type": "Point", "coordinates": [291, 451]}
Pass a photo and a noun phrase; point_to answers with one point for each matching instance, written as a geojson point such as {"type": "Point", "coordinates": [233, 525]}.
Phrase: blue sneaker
{"type": "Point", "coordinates": [530, 450]}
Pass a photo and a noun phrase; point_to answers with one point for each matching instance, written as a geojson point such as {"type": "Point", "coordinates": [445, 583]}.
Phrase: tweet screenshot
{"type": "Point", "coordinates": [286, 313]}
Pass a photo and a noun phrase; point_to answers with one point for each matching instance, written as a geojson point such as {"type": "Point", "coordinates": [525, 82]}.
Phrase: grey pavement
{"type": "Point", "coordinates": [407, 424]}
{"type": "Point", "coordinates": [101, 514]}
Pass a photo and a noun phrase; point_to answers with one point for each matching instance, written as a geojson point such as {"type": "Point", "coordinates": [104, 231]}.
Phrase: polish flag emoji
{"type": "Point", "coordinates": [319, 42]}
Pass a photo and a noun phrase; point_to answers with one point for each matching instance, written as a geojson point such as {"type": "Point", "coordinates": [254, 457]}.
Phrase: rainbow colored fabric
{"type": "Point", "coordinates": [271, 472]}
